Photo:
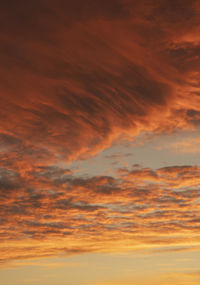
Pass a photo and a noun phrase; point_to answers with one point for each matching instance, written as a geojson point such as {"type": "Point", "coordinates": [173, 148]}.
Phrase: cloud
{"type": "Point", "coordinates": [110, 69]}
{"type": "Point", "coordinates": [187, 146]}
{"type": "Point", "coordinates": [75, 78]}
{"type": "Point", "coordinates": [141, 208]}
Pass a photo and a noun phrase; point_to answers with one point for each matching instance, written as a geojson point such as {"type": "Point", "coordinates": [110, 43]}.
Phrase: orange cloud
{"type": "Point", "coordinates": [74, 78]}
{"type": "Point", "coordinates": [138, 209]}
{"type": "Point", "coordinates": [108, 69]}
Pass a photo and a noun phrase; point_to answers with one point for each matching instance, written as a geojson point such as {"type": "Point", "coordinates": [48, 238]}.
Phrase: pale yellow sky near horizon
{"type": "Point", "coordinates": [136, 268]}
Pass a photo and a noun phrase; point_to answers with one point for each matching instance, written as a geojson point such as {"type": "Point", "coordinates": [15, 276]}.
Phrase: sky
{"type": "Point", "coordinates": [100, 142]}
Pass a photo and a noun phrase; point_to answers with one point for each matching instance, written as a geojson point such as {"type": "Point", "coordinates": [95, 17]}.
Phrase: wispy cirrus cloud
{"type": "Point", "coordinates": [185, 146]}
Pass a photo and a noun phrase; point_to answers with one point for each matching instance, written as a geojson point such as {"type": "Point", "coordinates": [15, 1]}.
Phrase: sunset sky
{"type": "Point", "coordinates": [100, 142]}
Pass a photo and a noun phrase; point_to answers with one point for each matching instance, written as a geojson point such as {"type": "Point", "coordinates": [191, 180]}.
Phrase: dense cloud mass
{"type": "Point", "coordinates": [84, 73]}
{"type": "Point", "coordinates": [76, 76]}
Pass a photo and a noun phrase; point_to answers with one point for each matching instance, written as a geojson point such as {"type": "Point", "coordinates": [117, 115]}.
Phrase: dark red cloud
{"type": "Point", "coordinates": [82, 74]}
